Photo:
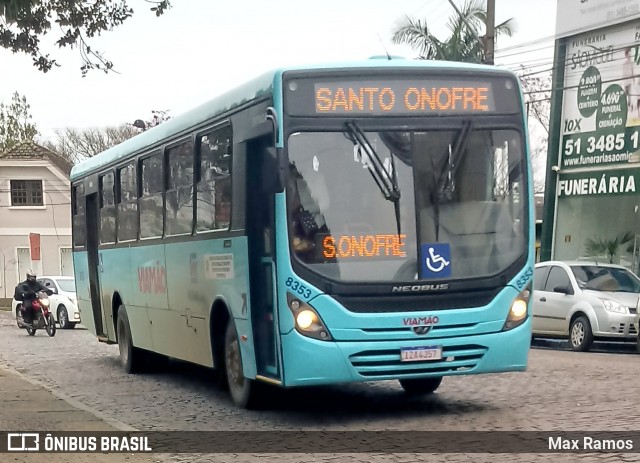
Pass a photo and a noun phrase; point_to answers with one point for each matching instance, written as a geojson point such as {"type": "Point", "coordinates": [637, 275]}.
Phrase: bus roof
{"type": "Point", "coordinates": [255, 88]}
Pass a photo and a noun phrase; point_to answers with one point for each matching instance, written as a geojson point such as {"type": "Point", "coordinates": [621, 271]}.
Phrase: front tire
{"type": "Point", "coordinates": [420, 386]}
{"type": "Point", "coordinates": [19, 319]}
{"type": "Point", "coordinates": [244, 392]}
{"type": "Point", "coordinates": [580, 334]}
{"type": "Point", "coordinates": [50, 327]}
{"type": "Point", "coordinates": [131, 357]}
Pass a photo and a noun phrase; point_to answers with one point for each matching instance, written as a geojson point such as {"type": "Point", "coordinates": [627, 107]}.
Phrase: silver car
{"type": "Point", "coordinates": [585, 300]}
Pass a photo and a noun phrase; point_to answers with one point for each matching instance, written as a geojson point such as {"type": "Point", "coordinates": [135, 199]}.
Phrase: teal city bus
{"type": "Point", "coordinates": [318, 225]}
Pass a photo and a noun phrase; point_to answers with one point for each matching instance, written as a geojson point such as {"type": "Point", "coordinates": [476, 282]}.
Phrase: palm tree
{"type": "Point", "coordinates": [462, 45]}
{"type": "Point", "coordinates": [607, 247]}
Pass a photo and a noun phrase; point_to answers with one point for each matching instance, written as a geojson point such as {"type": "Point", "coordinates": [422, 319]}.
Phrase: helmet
{"type": "Point", "coordinates": [31, 275]}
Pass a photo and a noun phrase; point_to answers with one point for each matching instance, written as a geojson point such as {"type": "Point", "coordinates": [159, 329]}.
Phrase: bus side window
{"type": "Point", "coordinates": [151, 197]}
{"type": "Point", "coordinates": [214, 180]}
{"type": "Point", "coordinates": [179, 204]}
{"type": "Point", "coordinates": [107, 209]}
{"type": "Point", "coordinates": [127, 204]}
{"type": "Point", "coordinates": [79, 232]}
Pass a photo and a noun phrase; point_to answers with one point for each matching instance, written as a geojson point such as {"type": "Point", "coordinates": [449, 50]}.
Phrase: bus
{"type": "Point", "coordinates": [317, 225]}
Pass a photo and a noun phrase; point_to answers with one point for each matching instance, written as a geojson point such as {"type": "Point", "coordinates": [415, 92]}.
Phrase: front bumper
{"type": "Point", "coordinates": [311, 362]}
{"type": "Point", "coordinates": [613, 325]}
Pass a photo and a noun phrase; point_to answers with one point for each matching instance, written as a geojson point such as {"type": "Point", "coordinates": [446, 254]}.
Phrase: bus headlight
{"type": "Point", "coordinates": [307, 320]}
{"type": "Point", "coordinates": [519, 310]}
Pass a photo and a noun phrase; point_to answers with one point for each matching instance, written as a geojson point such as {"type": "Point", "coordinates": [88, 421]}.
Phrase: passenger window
{"type": "Point", "coordinates": [558, 277]}
{"type": "Point", "coordinates": [107, 209]}
{"type": "Point", "coordinates": [540, 278]}
{"type": "Point", "coordinates": [179, 203]}
{"type": "Point", "coordinates": [214, 180]}
{"type": "Point", "coordinates": [127, 204]}
{"type": "Point", "coordinates": [78, 208]}
{"type": "Point", "coordinates": [151, 203]}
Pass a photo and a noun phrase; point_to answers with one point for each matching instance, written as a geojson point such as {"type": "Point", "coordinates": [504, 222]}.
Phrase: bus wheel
{"type": "Point", "coordinates": [244, 391]}
{"type": "Point", "coordinates": [130, 356]}
{"type": "Point", "coordinates": [420, 386]}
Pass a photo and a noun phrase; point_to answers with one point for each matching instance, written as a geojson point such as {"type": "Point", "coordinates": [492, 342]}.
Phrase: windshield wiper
{"type": "Point", "coordinates": [387, 183]}
{"type": "Point", "coordinates": [443, 182]}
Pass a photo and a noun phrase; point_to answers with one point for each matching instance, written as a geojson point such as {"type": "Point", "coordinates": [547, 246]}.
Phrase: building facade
{"type": "Point", "coordinates": [592, 194]}
{"type": "Point", "coordinates": [35, 215]}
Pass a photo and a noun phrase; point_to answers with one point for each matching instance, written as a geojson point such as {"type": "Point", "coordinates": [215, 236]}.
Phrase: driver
{"type": "Point", "coordinates": [27, 292]}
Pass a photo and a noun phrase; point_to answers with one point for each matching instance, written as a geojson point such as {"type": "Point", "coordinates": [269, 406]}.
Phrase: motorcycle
{"type": "Point", "coordinates": [42, 316]}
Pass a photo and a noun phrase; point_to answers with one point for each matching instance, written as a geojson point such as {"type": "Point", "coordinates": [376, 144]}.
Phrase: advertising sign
{"type": "Point", "coordinates": [601, 98]}
{"type": "Point", "coordinates": [598, 183]}
{"type": "Point", "coordinates": [576, 16]}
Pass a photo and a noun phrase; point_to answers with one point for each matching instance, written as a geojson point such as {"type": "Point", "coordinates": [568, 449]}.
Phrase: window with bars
{"type": "Point", "coordinates": [26, 193]}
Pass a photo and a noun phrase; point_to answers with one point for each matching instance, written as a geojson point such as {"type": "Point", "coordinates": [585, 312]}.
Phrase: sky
{"type": "Point", "coordinates": [201, 48]}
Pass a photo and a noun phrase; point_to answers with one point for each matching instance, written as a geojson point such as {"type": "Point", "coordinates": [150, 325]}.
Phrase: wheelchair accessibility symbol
{"type": "Point", "coordinates": [436, 260]}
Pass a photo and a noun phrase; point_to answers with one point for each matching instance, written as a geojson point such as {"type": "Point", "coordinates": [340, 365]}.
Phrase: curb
{"type": "Point", "coordinates": [70, 400]}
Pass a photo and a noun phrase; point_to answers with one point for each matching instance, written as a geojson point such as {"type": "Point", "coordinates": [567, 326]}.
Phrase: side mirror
{"type": "Point", "coordinates": [562, 289]}
{"type": "Point", "coordinates": [54, 290]}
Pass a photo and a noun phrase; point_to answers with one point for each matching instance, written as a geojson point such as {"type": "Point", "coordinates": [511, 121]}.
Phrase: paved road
{"type": "Point", "coordinates": [562, 390]}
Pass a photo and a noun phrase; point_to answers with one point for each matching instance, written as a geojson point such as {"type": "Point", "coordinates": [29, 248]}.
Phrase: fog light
{"type": "Point", "coordinates": [305, 319]}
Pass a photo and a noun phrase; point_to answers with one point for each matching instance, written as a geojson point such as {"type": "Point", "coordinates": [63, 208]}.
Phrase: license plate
{"type": "Point", "coordinates": [419, 354]}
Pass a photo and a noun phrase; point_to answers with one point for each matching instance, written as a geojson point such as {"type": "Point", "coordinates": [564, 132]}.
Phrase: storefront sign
{"type": "Point", "coordinates": [601, 98]}
{"type": "Point", "coordinates": [612, 182]}
{"type": "Point", "coordinates": [576, 16]}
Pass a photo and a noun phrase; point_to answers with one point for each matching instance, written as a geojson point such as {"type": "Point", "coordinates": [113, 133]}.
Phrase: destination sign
{"type": "Point", "coordinates": [403, 97]}
{"type": "Point", "coordinates": [396, 96]}
{"type": "Point", "coordinates": [358, 246]}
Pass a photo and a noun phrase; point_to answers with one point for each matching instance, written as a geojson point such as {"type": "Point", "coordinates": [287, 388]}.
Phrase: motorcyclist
{"type": "Point", "coordinates": [27, 292]}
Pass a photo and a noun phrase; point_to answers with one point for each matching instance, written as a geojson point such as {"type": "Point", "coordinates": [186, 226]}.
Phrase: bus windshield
{"type": "Point", "coordinates": [458, 208]}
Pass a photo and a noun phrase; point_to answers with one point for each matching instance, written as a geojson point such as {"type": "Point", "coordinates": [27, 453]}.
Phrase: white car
{"type": "Point", "coordinates": [63, 302]}
{"type": "Point", "coordinates": [585, 301]}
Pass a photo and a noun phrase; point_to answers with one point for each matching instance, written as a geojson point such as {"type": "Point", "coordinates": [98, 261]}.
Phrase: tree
{"type": "Point", "coordinates": [608, 248]}
{"type": "Point", "coordinates": [15, 122]}
{"type": "Point", "coordinates": [461, 45]}
{"type": "Point", "coordinates": [26, 22]}
{"type": "Point", "coordinates": [76, 145]}
{"type": "Point", "coordinates": [536, 86]}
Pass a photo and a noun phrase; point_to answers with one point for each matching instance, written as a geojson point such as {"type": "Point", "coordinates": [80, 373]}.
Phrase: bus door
{"type": "Point", "coordinates": [93, 258]}
{"type": "Point", "coordinates": [260, 207]}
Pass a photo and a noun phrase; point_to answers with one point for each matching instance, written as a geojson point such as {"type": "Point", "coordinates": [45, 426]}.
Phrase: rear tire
{"type": "Point", "coordinates": [131, 357]}
{"type": "Point", "coordinates": [420, 386]}
{"type": "Point", "coordinates": [244, 391]}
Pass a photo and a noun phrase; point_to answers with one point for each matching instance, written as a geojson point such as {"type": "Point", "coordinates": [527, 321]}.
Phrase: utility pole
{"type": "Point", "coordinates": [491, 32]}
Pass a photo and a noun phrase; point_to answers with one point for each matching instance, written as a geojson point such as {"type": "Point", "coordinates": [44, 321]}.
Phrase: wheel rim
{"type": "Point", "coordinates": [577, 333]}
{"type": "Point", "coordinates": [122, 338]}
{"type": "Point", "coordinates": [62, 317]}
{"type": "Point", "coordinates": [234, 365]}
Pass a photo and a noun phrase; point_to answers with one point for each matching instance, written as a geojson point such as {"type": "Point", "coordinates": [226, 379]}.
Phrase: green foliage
{"type": "Point", "coordinates": [607, 247]}
{"type": "Point", "coordinates": [26, 22]}
{"type": "Point", "coordinates": [461, 45]}
{"type": "Point", "coordinates": [15, 122]}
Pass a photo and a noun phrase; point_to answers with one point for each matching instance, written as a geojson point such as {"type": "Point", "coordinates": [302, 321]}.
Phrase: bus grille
{"type": "Point", "coordinates": [387, 362]}
{"type": "Point", "coordinates": [402, 303]}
